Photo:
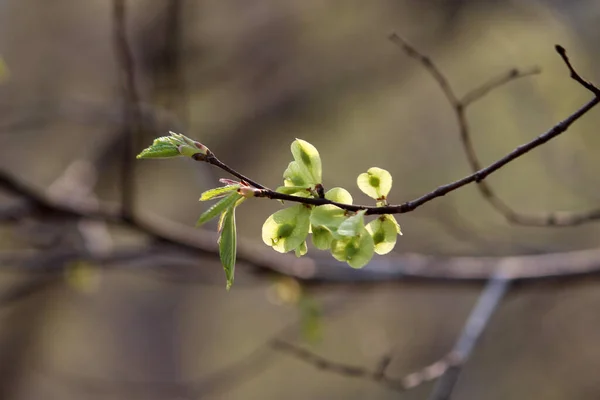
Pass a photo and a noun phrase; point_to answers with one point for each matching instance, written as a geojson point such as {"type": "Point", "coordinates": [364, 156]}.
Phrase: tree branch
{"type": "Point", "coordinates": [460, 105]}
{"type": "Point", "coordinates": [132, 121]}
{"type": "Point", "coordinates": [487, 304]}
{"type": "Point", "coordinates": [320, 269]}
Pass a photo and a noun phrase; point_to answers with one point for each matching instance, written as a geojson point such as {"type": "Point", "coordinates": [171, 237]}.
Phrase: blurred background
{"type": "Point", "coordinates": [246, 77]}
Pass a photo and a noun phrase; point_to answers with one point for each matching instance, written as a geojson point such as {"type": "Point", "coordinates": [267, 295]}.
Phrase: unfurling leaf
{"type": "Point", "coordinates": [375, 183]}
{"type": "Point", "coordinates": [173, 146]}
{"type": "Point", "coordinates": [218, 192]}
{"type": "Point", "coordinates": [219, 207]}
{"type": "Point", "coordinates": [384, 231]}
{"type": "Point", "coordinates": [228, 245]}
{"type": "Point", "coordinates": [287, 229]}
{"type": "Point", "coordinates": [159, 150]}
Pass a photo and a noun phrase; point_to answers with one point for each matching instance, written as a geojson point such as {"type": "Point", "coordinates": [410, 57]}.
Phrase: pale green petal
{"type": "Point", "coordinates": [327, 216]}
{"type": "Point", "coordinates": [353, 225]}
{"type": "Point", "coordinates": [384, 234]}
{"type": "Point", "coordinates": [375, 183]}
{"type": "Point", "coordinates": [339, 195]}
{"type": "Point", "coordinates": [301, 250]}
{"type": "Point", "coordinates": [307, 155]}
{"type": "Point", "coordinates": [356, 251]}
{"type": "Point", "coordinates": [287, 229]}
{"type": "Point", "coordinates": [296, 175]}
{"type": "Point", "coordinates": [321, 237]}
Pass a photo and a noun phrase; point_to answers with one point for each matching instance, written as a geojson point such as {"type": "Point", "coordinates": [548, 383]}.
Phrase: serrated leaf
{"type": "Point", "coordinates": [375, 183]}
{"type": "Point", "coordinates": [321, 237]}
{"type": "Point", "coordinates": [159, 150]}
{"type": "Point", "coordinates": [218, 192]}
{"type": "Point", "coordinates": [356, 251]}
{"type": "Point", "coordinates": [287, 229]}
{"type": "Point", "coordinates": [308, 157]}
{"type": "Point", "coordinates": [301, 250]}
{"type": "Point", "coordinates": [384, 233]}
{"type": "Point", "coordinates": [228, 245]}
{"type": "Point", "coordinates": [339, 195]}
{"type": "Point", "coordinates": [218, 208]}
{"type": "Point", "coordinates": [353, 225]}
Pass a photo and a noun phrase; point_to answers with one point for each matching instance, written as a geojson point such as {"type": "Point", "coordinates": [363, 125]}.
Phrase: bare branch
{"type": "Point", "coordinates": [132, 121]}
{"type": "Point", "coordinates": [487, 304]}
{"type": "Point", "coordinates": [460, 105]}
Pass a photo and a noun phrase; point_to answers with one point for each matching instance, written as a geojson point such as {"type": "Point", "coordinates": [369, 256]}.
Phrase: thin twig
{"type": "Point", "coordinates": [132, 121]}
{"type": "Point", "coordinates": [440, 191]}
{"type": "Point", "coordinates": [460, 105]}
{"type": "Point", "coordinates": [487, 304]}
{"type": "Point", "coordinates": [446, 369]}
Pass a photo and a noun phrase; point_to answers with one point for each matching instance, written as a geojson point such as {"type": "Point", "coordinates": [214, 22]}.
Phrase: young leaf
{"type": "Point", "coordinates": [375, 183]}
{"type": "Point", "coordinates": [159, 150]}
{"type": "Point", "coordinates": [219, 207]}
{"type": "Point", "coordinates": [356, 251]}
{"type": "Point", "coordinates": [384, 232]}
{"type": "Point", "coordinates": [339, 195]}
{"type": "Point", "coordinates": [307, 156]}
{"type": "Point", "coordinates": [228, 245]}
{"type": "Point", "coordinates": [287, 229]}
{"type": "Point", "coordinates": [218, 192]}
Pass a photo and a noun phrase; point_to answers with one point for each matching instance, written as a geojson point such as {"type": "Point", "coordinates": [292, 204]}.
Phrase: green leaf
{"type": "Point", "coordinates": [159, 150]}
{"type": "Point", "coordinates": [301, 250]}
{"type": "Point", "coordinates": [353, 225]}
{"type": "Point", "coordinates": [339, 195]}
{"type": "Point", "coordinates": [173, 146]}
{"type": "Point", "coordinates": [287, 229]}
{"type": "Point", "coordinates": [219, 207]}
{"type": "Point", "coordinates": [356, 251]}
{"type": "Point", "coordinates": [384, 232]}
{"type": "Point", "coordinates": [228, 245]}
{"type": "Point", "coordinates": [308, 157]}
{"type": "Point", "coordinates": [321, 237]}
{"type": "Point", "coordinates": [218, 192]}
{"type": "Point", "coordinates": [375, 183]}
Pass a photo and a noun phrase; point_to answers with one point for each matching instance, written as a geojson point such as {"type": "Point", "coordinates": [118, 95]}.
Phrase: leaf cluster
{"type": "Point", "coordinates": [344, 233]}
